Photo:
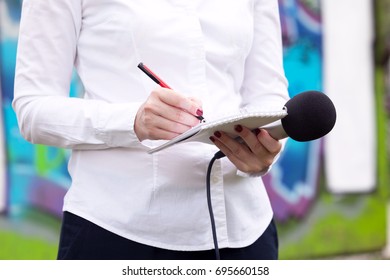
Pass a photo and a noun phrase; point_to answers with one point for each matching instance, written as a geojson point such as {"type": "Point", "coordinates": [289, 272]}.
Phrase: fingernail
{"type": "Point", "coordinates": [257, 131]}
{"type": "Point", "coordinates": [212, 139]}
{"type": "Point", "coordinates": [238, 128]}
{"type": "Point", "coordinates": [217, 134]}
{"type": "Point", "coordinates": [199, 112]}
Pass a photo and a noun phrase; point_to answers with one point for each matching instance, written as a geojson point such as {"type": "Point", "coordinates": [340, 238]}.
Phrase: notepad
{"type": "Point", "coordinates": [203, 131]}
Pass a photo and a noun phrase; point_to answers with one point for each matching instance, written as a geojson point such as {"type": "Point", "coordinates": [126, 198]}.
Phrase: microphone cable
{"type": "Point", "coordinates": [217, 155]}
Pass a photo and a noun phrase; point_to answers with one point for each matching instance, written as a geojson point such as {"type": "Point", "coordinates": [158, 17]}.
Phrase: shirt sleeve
{"type": "Point", "coordinates": [46, 114]}
{"type": "Point", "coordinates": [265, 84]}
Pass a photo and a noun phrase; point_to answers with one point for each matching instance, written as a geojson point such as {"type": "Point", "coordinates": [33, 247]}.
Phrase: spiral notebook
{"type": "Point", "coordinates": [203, 131]}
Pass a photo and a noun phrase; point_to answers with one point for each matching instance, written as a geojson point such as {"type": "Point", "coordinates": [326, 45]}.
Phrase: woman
{"type": "Point", "coordinates": [219, 56]}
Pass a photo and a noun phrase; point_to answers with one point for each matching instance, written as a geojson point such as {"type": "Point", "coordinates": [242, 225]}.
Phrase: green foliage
{"type": "Point", "coordinates": [382, 30]}
{"type": "Point", "coordinates": [336, 228]}
{"type": "Point", "coordinates": [15, 246]}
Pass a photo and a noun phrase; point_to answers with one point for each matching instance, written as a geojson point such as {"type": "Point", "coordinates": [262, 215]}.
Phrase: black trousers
{"type": "Point", "coordinates": [82, 240]}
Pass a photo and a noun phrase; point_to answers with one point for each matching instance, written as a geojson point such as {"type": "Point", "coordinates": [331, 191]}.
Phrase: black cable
{"type": "Point", "coordinates": [218, 155]}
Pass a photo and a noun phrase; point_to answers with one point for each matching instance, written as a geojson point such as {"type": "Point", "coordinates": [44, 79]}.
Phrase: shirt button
{"type": "Point", "coordinates": [214, 180]}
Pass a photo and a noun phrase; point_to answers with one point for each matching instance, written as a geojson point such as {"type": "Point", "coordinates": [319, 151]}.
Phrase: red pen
{"type": "Point", "coordinates": [160, 82]}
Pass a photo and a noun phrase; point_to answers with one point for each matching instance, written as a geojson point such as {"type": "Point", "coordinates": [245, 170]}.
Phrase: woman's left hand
{"type": "Point", "coordinates": [256, 153]}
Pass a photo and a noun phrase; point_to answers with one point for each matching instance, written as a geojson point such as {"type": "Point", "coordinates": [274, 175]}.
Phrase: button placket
{"type": "Point", "coordinates": [197, 70]}
{"type": "Point", "coordinates": [218, 203]}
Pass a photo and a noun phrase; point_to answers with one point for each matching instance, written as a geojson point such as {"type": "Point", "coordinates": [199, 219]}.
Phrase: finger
{"type": "Point", "coordinates": [177, 115]}
{"type": "Point", "coordinates": [158, 128]}
{"type": "Point", "coordinates": [178, 100]}
{"type": "Point", "coordinates": [240, 164]}
{"type": "Point", "coordinates": [259, 141]}
{"type": "Point", "coordinates": [170, 126]}
{"type": "Point", "coordinates": [250, 139]}
{"type": "Point", "coordinates": [270, 144]}
{"type": "Point", "coordinates": [152, 131]}
{"type": "Point", "coordinates": [236, 148]}
{"type": "Point", "coordinates": [241, 155]}
{"type": "Point", "coordinates": [161, 134]}
{"type": "Point", "coordinates": [149, 124]}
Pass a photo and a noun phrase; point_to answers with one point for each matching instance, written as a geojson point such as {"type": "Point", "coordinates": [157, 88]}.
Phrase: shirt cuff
{"type": "Point", "coordinates": [116, 124]}
{"type": "Point", "coordinates": [253, 174]}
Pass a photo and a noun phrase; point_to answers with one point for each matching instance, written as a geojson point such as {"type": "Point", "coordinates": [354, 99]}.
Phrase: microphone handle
{"type": "Point", "coordinates": [276, 130]}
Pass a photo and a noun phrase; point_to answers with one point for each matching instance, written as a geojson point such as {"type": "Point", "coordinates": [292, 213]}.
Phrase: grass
{"type": "Point", "coordinates": [15, 246]}
{"type": "Point", "coordinates": [31, 236]}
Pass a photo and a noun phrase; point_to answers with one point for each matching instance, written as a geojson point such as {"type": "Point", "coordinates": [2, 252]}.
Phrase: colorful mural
{"type": "Point", "coordinates": [292, 184]}
{"type": "Point", "coordinates": [37, 174]}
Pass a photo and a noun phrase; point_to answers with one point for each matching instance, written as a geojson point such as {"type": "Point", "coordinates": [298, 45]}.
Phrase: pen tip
{"type": "Point", "coordinates": [201, 119]}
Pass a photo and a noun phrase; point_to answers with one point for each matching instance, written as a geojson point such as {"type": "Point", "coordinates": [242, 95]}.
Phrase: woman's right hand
{"type": "Point", "coordinates": [166, 114]}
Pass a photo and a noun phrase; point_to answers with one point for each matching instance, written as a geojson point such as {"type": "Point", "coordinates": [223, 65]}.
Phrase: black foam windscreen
{"type": "Point", "coordinates": [311, 115]}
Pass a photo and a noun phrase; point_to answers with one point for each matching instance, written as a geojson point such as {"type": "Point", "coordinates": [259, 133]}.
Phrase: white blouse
{"type": "Point", "coordinates": [228, 53]}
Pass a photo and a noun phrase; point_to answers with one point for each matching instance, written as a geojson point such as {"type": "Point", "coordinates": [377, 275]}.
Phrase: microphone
{"type": "Point", "coordinates": [310, 115]}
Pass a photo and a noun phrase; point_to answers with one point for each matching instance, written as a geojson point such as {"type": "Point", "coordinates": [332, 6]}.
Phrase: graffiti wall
{"type": "Point", "coordinates": [312, 222]}
{"type": "Point", "coordinates": [292, 185]}
{"type": "Point", "coordinates": [37, 175]}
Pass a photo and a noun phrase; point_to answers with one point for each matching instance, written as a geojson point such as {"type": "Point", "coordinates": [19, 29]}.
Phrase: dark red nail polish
{"type": "Point", "coordinates": [199, 112]}
{"type": "Point", "coordinates": [212, 139]}
{"type": "Point", "coordinates": [217, 134]}
{"type": "Point", "coordinates": [238, 128]}
{"type": "Point", "coordinates": [257, 131]}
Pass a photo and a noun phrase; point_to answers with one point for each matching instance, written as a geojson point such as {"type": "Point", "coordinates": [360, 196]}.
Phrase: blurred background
{"type": "Point", "coordinates": [330, 196]}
